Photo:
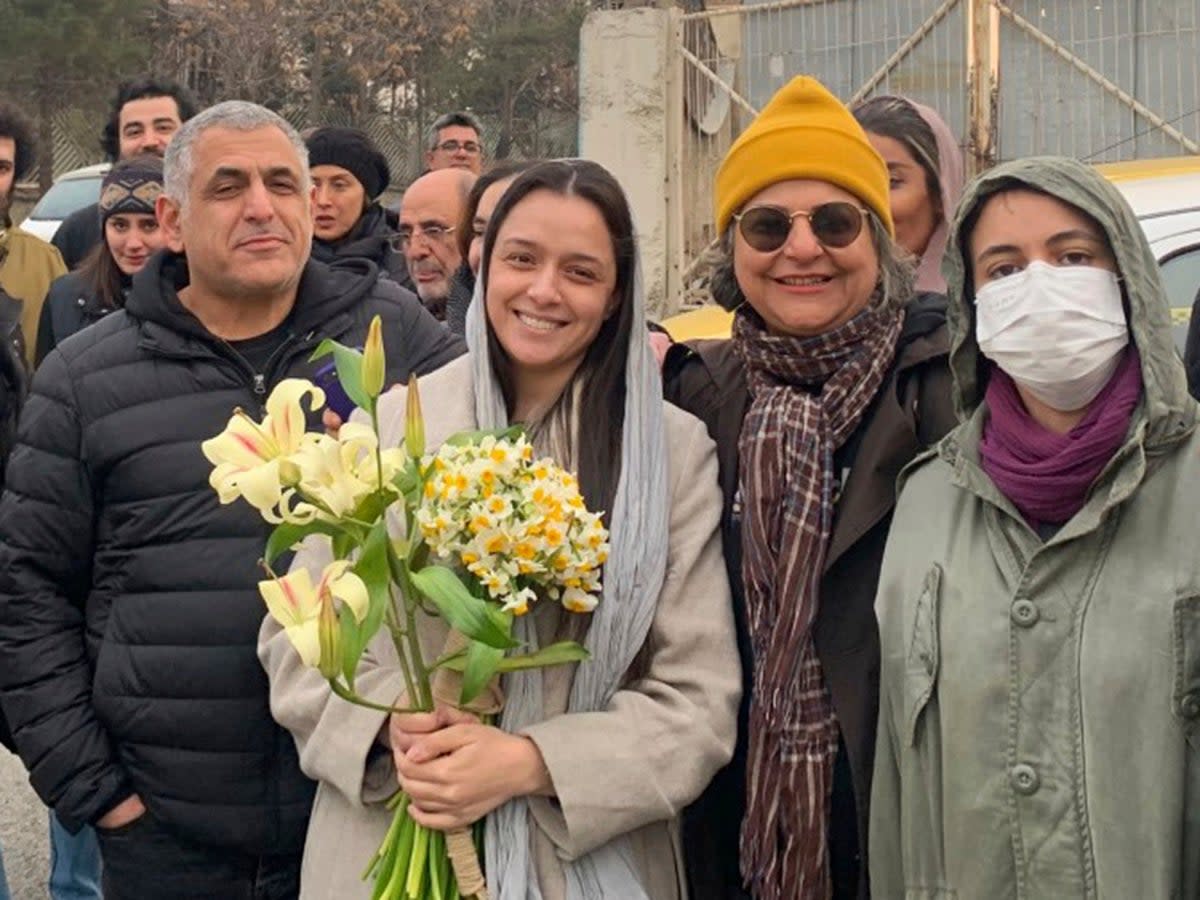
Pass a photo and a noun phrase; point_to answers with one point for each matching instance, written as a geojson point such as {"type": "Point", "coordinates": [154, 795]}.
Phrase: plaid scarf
{"type": "Point", "coordinates": [808, 396]}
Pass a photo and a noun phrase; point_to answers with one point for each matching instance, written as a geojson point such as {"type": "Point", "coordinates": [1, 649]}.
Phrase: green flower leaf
{"type": "Point", "coordinates": [372, 568]}
{"type": "Point", "coordinates": [474, 617]}
{"type": "Point", "coordinates": [554, 655]}
{"type": "Point", "coordinates": [481, 664]}
{"type": "Point", "coordinates": [464, 438]}
{"type": "Point", "coordinates": [349, 365]}
{"type": "Point", "coordinates": [286, 536]}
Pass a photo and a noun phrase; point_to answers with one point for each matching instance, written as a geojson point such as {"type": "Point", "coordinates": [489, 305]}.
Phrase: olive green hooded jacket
{"type": "Point", "coordinates": [1039, 729]}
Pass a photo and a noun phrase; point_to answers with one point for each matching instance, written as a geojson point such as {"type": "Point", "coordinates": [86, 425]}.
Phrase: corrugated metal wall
{"type": "Point", "coordinates": [1147, 48]}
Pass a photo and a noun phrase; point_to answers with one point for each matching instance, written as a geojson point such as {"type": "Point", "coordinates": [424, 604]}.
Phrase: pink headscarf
{"type": "Point", "coordinates": [950, 177]}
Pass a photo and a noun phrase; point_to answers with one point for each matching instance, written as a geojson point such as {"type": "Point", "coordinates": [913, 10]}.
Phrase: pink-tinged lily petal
{"type": "Point", "coordinates": [242, 443]}
{"type": "Point", "coordinates": [358, 435]}
{"type": "Point", "coordinates": [293, 509]}
{"type": "Point", "coordinates": [352, 591]}
{"type": "Point", "coordinates": [291, 598]}
{"type": "Point", "coordinates": [224, 480]}
{"type": "Point", "coordinates": [292, 602]}
{"type": "Point", "coordinates": [260, 485]}
{"type": "Point", "coordinates": [285, 414]}
{"type": "Point", "coordinates": [306, 638]}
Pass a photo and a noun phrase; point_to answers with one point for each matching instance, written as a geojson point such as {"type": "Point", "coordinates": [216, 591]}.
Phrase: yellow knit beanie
{"type": "Point", "coordinates": [804, 132]}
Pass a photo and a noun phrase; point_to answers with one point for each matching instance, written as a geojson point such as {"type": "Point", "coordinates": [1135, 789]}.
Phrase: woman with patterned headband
{"type": "Point", "coordinates": [131, 236]}
{"type": "Point", "coordinates": [835, 377]}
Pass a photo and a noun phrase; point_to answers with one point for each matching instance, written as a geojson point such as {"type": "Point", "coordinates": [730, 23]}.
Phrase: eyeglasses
{"type": "Point", "coordinates": [434, 232]}
{"type": "Point", "coordinates": [454, 146]}
{"type": "Point", "coordinates": [836, 224]}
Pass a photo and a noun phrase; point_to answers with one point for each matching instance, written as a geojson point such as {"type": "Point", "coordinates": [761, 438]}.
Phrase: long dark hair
{"type": "Point", "coordinates": [896, 118]}
{"type": "Point", "coordinates": [103, 277]}
{"type": "Point", "coordinates": [601, 376]}
{"type": "Point", "coordinates": [466, 226]}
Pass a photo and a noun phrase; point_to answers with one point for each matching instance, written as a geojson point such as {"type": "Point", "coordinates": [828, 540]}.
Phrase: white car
{"type": "Point", "coordinates": [1165, 195]}
{"type": "Point", "coordinates": [71, 191]}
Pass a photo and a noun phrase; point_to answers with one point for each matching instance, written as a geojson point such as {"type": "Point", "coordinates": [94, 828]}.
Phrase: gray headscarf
{"type": "Point", "coordinates": [633, 579]}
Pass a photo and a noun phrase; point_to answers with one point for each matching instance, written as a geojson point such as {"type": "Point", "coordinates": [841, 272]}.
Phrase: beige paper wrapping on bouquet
{"type": "Point", "coordinates": [460, 843]}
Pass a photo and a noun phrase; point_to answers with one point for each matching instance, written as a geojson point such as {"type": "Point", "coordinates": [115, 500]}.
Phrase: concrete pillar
{"type": "Point", "coordinates": [630, 121]}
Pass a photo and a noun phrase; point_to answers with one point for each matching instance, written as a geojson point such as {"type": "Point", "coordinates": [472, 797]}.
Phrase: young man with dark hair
{"type": "Point", "coordinates": [145, 114]}
{"type": "Point", "coordinates": [28, 265]}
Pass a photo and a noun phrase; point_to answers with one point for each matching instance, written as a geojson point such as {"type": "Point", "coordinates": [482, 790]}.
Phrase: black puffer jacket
{"type": "Point", "coordinates": [129, 614]}
{"type": "Point", "coordinates": [71, 305]}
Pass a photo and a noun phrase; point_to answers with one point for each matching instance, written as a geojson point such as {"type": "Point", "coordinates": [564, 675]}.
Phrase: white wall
{"type": "Point", "coordinates": [628, 68]}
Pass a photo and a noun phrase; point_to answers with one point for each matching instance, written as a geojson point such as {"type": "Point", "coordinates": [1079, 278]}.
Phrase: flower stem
{"type": "Point", "coordinates": [354, 698]}
{"type": "Point", "coordinates": [416, 863]}
{"type": "Point", "coordinates": [399, 643]}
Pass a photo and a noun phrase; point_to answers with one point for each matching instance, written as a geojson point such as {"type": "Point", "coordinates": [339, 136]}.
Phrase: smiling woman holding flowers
{"type": "Point", "coordinates": [583, 777]}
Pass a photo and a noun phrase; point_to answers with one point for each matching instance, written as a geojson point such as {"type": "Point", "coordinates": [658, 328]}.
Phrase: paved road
{"type": "Point", "coordinates": [22, 832]}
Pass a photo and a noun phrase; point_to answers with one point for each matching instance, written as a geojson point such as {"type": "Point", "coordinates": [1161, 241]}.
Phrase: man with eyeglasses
{"type": "Point", "coordinates": [455, 141]}
{"type": "Point", "coordinates": [430, 213]}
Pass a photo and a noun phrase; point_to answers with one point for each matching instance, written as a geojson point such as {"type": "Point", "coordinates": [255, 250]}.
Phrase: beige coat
{"type": "Point", "coordinates": [629, 769]}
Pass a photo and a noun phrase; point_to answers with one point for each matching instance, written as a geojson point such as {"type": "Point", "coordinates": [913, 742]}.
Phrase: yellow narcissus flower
{"type": "Point", "coordinates": [250, 457]}
{"type": "Point", "coordinates": [295, 604]}
{"type": "Point", "coordinates": [578, 601]}
{"type": "Point", "coordinates": [515, 523]}
{"type": "Point", "coordinates": [518, 603]}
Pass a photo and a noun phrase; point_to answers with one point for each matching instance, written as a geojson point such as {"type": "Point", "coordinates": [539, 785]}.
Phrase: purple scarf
{"type": "Point", "coordinates": [1047, 476]}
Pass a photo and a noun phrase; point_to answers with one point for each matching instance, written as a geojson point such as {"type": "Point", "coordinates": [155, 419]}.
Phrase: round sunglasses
{"type": "Point", "coordinates": [836, 224]}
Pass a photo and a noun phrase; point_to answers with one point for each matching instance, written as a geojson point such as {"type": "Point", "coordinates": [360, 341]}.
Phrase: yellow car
{"type": "Point", "coordinates": [1165, 195]}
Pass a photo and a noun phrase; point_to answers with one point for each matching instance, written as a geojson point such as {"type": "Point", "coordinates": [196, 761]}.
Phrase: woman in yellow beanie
{"type": "Point", "coordinates": [835, 377]}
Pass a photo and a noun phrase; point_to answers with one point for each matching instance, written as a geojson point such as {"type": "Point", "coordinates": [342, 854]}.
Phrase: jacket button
{"type": "Point", "coordinates": [1025, 613]}
{"type": "Point", "coordinates": [81, 301]}
{"type": "Point", "coordinates": [1024, 779]}
{"type": "Point", "coordinates": [1189, 706]}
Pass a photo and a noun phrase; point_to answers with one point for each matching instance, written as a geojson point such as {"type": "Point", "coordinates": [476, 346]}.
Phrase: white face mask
{"type": "Point", "coordinates": [1057, 331]}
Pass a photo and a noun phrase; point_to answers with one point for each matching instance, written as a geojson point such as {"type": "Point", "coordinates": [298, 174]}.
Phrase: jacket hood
{"type": "Point", "coordinates": [1169, 411]}
{"type": "Point", "coordinates": [324, 292]}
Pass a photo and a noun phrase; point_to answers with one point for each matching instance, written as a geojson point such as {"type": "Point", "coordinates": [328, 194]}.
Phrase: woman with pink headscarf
{"type": "Point", "coordinates": [925, 171]}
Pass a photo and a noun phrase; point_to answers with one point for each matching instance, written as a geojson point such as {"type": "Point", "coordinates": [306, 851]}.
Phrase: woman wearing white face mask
{"type": "Point", "coordinates": [1039, 604]}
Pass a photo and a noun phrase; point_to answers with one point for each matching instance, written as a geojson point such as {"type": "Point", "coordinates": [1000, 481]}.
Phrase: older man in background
{"type": "Point", "coordinates": [455, 141]}
{"type": "Point", "coordinates": [430, 214]}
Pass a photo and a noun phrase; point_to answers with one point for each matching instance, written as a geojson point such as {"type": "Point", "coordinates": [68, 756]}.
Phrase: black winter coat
{"type": "Point", "coordinates": [912, 410]}
{"type": "Point", "coordinates": [78, 234]}
{"type": "Point", "coordinates": [370, 238]}
{"type": "Point", "coordinates": [14, 382]}
{"type": "Point", "coordinates": [129, 613]}
{"type": "Point", "coordinates": [71, 305]}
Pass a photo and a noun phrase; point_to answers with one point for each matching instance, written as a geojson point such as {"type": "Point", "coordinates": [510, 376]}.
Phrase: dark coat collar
{"type": "Point", "coordinates": [324, 293]}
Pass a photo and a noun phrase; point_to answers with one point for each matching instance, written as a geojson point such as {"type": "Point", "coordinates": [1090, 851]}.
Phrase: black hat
{"type": "Point", "coordinates": [351, 149]}
{"type": "Point", "coordinates": [131, 186]}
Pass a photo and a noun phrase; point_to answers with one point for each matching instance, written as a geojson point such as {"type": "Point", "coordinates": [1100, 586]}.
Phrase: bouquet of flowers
{"type": "Point", "coordinates": [484, 530]}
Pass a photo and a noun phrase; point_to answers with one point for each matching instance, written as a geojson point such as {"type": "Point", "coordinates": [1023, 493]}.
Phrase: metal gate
{"type": "Point", "coordinates": [1096, 79]}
